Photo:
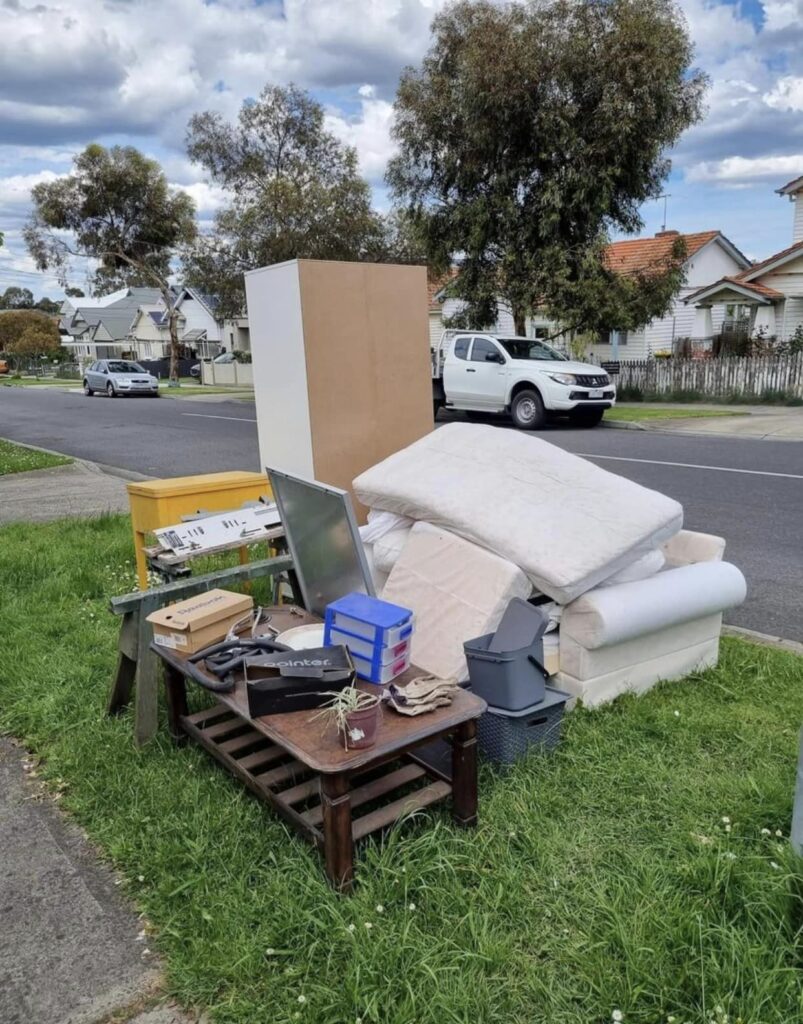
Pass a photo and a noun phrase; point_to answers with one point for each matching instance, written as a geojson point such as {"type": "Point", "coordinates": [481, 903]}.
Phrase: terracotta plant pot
{"type": "Point", "coordinates": [362, 727]}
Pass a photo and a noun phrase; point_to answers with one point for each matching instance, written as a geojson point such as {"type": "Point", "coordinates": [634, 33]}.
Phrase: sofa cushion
{"type": "Point", "coordinates": [611, 615]}
{"type": "Point", "coordinates": [456, 590]}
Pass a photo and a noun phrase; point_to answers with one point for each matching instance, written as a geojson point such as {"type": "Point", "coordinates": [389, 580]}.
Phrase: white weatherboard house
{"type": "Point", "coordinates": [766, 296]}
{"type": "Point", "coordinates": [709, 256]}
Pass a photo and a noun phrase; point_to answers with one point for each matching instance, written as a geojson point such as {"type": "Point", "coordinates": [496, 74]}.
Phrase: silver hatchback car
{"type": "Point", "coordinates": [119, 377]}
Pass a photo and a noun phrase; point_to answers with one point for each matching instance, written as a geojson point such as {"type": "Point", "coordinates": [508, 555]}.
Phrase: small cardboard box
{"type": "Point", "coordinates": [189, 626]}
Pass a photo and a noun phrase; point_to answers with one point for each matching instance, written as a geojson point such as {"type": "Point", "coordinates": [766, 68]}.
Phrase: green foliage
{"type": "Point", "coordinates": [16, 298]}
{"type": "Point", "coordinates": [118, 210]}
{"type": "Point", "coordinates": [295, 192]}
{"type": "Point", "coordinates": [796, 341]}
{"type": "Point", "coordinates": [600, 877]}
{"type": "Point", "coordinates": [529, 132]}
{"type": "Point", "coordinates": [28, 333]}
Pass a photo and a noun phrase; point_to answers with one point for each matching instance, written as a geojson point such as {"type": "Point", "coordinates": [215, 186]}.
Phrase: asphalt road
{"type": "Point", "coordinates": [749, 491]}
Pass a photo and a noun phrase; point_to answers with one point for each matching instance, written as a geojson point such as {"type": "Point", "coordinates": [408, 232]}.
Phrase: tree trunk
{"type": "Point", "coordinates": [519, 321]}
{"type": "Point", "coordinates": [174, 346]}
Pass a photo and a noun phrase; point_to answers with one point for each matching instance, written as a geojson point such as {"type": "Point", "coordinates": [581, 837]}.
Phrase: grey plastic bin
{"type": "Point", "coordinates": [505, 736]}
{"type": "Point", "coordinates": [506, 679]}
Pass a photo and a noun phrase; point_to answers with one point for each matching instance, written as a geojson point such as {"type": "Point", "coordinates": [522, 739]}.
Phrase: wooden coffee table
{"type": "Point", "coordinates": [298, 765]}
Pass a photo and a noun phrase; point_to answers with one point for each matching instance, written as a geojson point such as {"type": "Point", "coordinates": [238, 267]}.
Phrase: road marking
{"type": "Point", "coordinates": [209, 416]}
{"type": "Point", "coordinates": [692, 465]}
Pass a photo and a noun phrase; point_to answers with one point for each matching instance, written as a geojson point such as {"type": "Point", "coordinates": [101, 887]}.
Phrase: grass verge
{"type": "Point", "coordinates": [638, 413]}
{"type": "Point", "coordinates": [604, 877]}
{"type": "Point", "coordinates": [15, 458]}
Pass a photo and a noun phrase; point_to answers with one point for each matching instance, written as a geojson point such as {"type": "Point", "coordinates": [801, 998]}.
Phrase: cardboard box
{"type": "Point", "coordinates": [189, 626]}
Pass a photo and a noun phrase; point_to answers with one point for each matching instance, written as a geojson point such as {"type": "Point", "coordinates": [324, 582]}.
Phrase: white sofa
{"type": "Point", "coordinates": [626, 637]}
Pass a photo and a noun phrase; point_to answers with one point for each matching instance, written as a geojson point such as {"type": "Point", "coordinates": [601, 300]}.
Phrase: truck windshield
{"type": "Point", "coordinates": [527, 348]}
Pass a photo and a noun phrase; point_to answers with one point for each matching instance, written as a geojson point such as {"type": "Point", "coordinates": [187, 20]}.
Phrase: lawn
{"type": "Point", "coordinates": [15, 458]}
{"type": "Point", "coordinates": [638, 869]}
{"type": "Point", "coordinates": [638, 413]}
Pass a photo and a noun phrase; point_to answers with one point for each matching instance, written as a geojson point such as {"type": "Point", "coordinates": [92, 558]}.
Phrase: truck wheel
{"type": "Point", "coordinates": [437, 405]}
{"type": "Point", "coordinates": [527, 410]}
{"type": "Point", "coordinates": [586, 417]}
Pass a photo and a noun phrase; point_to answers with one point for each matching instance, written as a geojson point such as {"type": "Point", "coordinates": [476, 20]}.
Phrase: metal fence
{"type": "Point", "coordinates": [716, 378]}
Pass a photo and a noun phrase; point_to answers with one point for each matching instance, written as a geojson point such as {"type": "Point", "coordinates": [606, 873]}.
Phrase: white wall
{"type": "Point", "coordinates": [797, 224]}
{"type": "Point", "coordinates": [197, 317]}
{"type": "Point", "coordinates": [273, 297]}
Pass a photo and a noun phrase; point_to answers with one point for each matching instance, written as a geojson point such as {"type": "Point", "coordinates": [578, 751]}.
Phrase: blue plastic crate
{"type": "Point", "coordinates": [368, 618]}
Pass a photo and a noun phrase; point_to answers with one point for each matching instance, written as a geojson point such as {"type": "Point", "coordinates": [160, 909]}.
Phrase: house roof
{"type": "Point", "coordinates": [211, 302]}
{"type": "Point", "coordinates": [435, 285]}
{"type": "Point", "coordinates": [196, 334]}
{"type": "Point", "coordinates": [776, 260]}
{"type": "Point", "coordinates": [791, 187]}
{"type": "Point", "coordinates": [759, 293]}
{"type": "Point", "coordinates": [635, 255]}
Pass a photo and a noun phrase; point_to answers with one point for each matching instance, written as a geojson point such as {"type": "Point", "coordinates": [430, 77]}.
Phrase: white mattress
{"type": "Point", "coordinates": [566, 522]}
{"type": "Point", "coordinates": [456, 590]}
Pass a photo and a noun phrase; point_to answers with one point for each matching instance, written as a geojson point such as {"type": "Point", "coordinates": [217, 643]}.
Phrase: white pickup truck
{"type": "Point", "coordinates": [523, 377]}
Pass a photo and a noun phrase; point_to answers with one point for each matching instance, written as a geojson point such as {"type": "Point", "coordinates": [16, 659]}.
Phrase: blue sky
{"type": "Point", "coordinates": [133, 71]}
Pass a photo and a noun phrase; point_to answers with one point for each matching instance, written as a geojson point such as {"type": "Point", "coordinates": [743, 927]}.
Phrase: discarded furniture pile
{"type": "Point", "coordinates": [498, 580]}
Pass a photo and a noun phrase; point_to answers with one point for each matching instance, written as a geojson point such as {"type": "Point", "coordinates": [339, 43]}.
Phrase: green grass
{"type": "Point", "coordinates": [635, 414]}
{"type": "Point", "coordinates": [600, 878]}
{"type": "Point", "coordinates": [15, 458]}
{"type": "Point", "coordinates": [38, 382]}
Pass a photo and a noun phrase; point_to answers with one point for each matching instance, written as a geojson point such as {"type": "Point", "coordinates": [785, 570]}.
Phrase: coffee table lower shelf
{"type": "Point", "coordinates": [320, 806]}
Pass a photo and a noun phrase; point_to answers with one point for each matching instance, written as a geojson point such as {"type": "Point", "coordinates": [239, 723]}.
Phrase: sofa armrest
{"type": "Point", "coordinates": [688, 547]}
{"type": "Point", "coordinates": [612, 615]}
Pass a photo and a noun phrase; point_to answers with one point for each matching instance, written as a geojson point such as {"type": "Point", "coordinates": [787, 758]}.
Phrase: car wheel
{"type": "Point", "coordinates": [110, 390]}
{"type": "Point", "coordinates": [527, 410]}
{"type": "Point", "coordinates": [587, 417]}
{"type": "Point", "coordinates": [88, 390]}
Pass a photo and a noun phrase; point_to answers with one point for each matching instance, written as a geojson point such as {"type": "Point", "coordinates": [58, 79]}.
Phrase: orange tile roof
{"type": "Point", "coordinates": [435, 284]}
{"type": "Point", "coordinates": [632, 256]}
{"type": "Point", "coordinates": [760, 289]}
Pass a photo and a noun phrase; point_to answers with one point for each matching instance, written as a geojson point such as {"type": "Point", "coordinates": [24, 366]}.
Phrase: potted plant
{"type": "Point", "coordinates": [356, 715]}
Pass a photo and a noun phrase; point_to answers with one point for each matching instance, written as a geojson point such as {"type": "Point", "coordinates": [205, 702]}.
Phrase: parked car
{"type": "Point", "coordinates": [119, 377]}
{"type": "Point", "coordinates": [224, 357]}
{"type": "Point", "coordinates": [523, 377]}
{"type": "Point", "coordinates": [4, 366]}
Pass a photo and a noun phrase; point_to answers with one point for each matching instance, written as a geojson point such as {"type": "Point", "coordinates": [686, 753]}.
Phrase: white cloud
{"type": "Point", "coordinates": [737, 170]}
{"type": "Point", "coordinates": [368, 133]}
{"type": "Point", "coordinates": [787, 94]}
{"type": "Point", "coordinates": [207, 198]}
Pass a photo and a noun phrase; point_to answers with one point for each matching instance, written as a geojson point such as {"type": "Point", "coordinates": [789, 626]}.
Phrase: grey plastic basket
{"type": "Point", "coordinates": [505, 736]}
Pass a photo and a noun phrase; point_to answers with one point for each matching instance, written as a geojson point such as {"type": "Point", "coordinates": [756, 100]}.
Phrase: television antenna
{"type": "Point", "coordinates": [665, 196]}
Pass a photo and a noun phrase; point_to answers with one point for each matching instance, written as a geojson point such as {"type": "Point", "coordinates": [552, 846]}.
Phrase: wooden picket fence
{"type": "Point", "coordinates": [716, 378]}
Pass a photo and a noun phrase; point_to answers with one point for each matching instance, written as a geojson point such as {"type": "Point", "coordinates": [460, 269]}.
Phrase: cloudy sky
{"type": "Point", "coordinates": [132, 71]}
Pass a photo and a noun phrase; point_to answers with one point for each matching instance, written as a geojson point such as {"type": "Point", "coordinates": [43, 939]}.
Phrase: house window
{"type": "Point", "coordinates": [605, 338]}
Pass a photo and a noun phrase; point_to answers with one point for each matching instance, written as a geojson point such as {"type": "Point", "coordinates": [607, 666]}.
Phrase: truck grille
{"type": "Point", "coordinates": [592, 380]}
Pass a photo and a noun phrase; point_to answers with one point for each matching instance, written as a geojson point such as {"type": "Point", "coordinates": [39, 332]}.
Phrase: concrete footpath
{"type": "Point", "coordinates": [78, 489]}
{"type": "Point", "coordinates": [765, 422]}
{"type": "Point", "coordinates": [71, 950]}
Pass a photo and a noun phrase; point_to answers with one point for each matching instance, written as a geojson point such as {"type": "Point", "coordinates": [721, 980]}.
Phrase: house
{"type": "Point", "coordinates": [709, 254]}
{"type": "Point", "coordinates": [765, 297]}
{"type": "Point", "coordinates": [201, 332]}
{"type": "Point", "coordinates": [442, 306]}
{"type": "Point", "coordinates": [100, 328]}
